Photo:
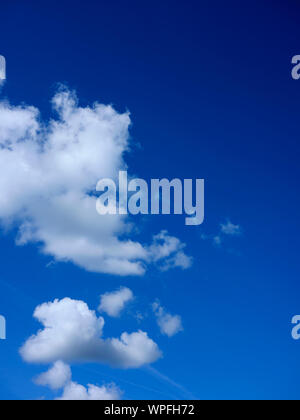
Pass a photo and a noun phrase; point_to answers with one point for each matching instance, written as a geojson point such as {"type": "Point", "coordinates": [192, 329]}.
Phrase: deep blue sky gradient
{"type": "Point", "coordinates": [209, 87]}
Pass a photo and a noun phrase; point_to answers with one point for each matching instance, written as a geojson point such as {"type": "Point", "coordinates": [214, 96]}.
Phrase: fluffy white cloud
{"type": "Point", "coordinates": [113, 303]}
{"type": "Point", "coordinates": [76, 392]}
{"type": "Point", "coordinates": [56, 377]}
{"type": "Point", "coordinates": [48, 171]}
{"type": "Point", "coordinates": [60, 376]}
{"type": "Point", "coordinates": [169, 324]}
{"type": "Point", "coordinates": [73, 333]}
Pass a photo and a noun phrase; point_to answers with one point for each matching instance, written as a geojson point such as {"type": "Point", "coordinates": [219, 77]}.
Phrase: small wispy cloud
{"type": "Point", "coordinates": [168, 252]}
{"type": "Point", "coordinates": [169, 325]}
{"type": "Point", "coordinates": [225, 230]}
{"type": "Point", "coordinates": [230, 229]}
{"type": "Point", "coordinates": [114, 303]}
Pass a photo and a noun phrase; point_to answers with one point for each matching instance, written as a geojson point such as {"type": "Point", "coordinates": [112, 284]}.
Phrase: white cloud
{"type": "Point", "coordinates": [226, 229]}
{"type": "Point", "coordinates": [217, 240]}
{"type": "Point", "coordinates": [76, 392]}
{"type": "Point", "coordinates": [73, 333]}
{"type": "Point", "coordinates": [56, 377]}
{"type": "Point", "coordinates": [168, 252]}
{"type": "Point", "coordinates": [60, 376]}
{"type": "Point", "coordinates": [169, 325]}
{"type": "Point", "coordinates": [230, 229]}
{"type": "Point", "coordinates": [47, 173]}
{"type": "Point", "coordinates": [113, 303]}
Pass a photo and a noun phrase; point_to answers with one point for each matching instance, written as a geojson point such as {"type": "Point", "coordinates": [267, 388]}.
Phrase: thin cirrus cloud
{"type": "Point", "coordinates": [47, 173]}
{"type": "Point", "coordinates": [113, 303]}
{"type": "Point", "coordinates": [59, 376]}
{"type": "Point", "coordinates": [169, 325]}
{"type": "Point", "coordinates": [72, 333]}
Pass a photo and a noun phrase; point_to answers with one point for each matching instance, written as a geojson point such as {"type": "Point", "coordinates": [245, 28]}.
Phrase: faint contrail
{"type": "Point", "coordinates": [118, 380]}
{"type": "Point", "coordinates": [185, 392]}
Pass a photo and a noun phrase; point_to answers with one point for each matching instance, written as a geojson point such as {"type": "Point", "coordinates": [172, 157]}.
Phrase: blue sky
{"type": "Point", "coordinates": [209, 89]}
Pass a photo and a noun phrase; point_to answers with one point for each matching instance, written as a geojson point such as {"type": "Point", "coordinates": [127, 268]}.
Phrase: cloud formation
{"type": "Point", "coordinates": [76, 392]}
{"type": "Point", "coordinates": [230, 229]}
{"type": "Point", "coordinates": [226, 229]}
{"type": "Point", "coordinates": [59, 376]}
{"type": "Point", "coordinates": [73, 333]}
{"type": "Point", "coordinates": [169, 325]}
{"type": "Point", "coordinates": [168, 252]}
{"type": "Point", "coordinates": [56, 377]}
{"type": "Point", "coordinates": [48, 173]}
{"type": "Point", "coordinates": [113, 303]}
